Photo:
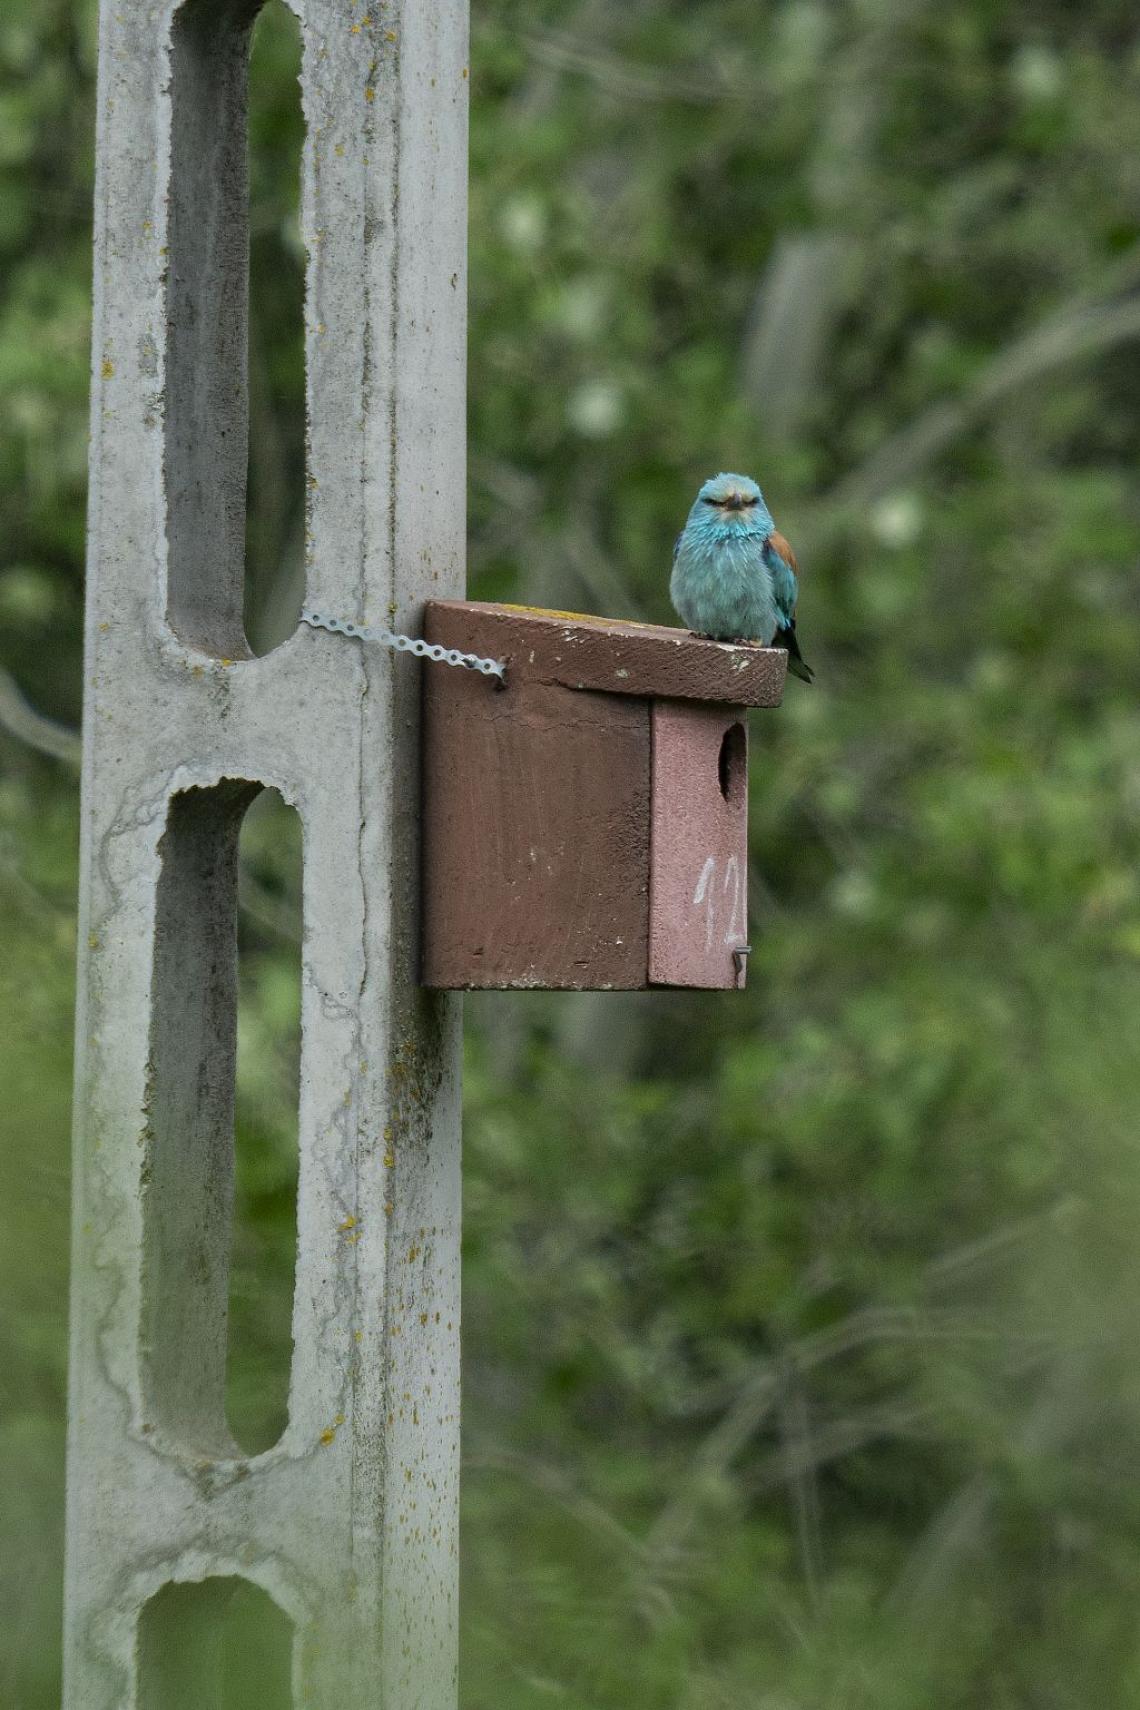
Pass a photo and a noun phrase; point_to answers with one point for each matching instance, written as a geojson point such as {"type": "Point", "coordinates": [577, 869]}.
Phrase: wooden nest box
{"type": "Point", "coordinates": [586, 826]}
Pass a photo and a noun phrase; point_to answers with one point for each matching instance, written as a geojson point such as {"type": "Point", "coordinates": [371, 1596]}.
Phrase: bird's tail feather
{"type": "Point", "coordinates": [797, 664]}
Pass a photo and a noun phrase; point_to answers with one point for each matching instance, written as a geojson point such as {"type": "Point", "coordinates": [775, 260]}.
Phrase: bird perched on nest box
{"type": "Point", "coordinates": [734, 574]}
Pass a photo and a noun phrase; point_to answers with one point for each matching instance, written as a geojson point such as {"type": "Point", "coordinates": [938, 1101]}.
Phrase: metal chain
{"type": "Point", "coordinates": [408, 644]}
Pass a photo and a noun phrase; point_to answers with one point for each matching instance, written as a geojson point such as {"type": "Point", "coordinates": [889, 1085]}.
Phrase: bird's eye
{"type": "Point", "coordinates": [711, 501]}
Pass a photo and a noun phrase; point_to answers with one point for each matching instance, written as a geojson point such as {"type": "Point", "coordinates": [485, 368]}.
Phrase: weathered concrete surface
{"type": "Point", "coordinates": [349, 1522]}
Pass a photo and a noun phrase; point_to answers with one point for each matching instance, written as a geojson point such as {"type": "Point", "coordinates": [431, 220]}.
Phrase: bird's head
{"type": "Point", "coordinates": [732, 498]}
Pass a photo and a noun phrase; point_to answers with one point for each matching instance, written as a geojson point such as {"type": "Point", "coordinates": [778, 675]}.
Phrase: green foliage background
{"type": "Point", "coordinates": [801, 1364]}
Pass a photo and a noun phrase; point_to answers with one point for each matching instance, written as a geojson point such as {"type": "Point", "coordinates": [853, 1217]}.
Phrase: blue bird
{"type": "Point", "coordinates": [734, 575]}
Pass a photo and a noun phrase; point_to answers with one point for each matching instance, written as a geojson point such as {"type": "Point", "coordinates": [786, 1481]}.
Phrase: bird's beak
{"type": "Point", "coordinates": [735, 501]}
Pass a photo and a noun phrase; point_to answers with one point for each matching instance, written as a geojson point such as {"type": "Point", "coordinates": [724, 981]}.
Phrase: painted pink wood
{"type": "Point", "coordinates": [698, 863]}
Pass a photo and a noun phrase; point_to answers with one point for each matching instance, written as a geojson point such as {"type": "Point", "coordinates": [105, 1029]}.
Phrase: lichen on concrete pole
{"type": "Point", "coordinates": [349, 1522]}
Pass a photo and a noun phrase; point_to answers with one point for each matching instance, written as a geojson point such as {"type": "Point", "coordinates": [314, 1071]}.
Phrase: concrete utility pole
{"type": "Point", "coordinates": [349, 1522]}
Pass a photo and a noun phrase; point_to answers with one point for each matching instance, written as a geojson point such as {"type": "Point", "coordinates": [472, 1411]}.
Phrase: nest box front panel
{"type": "Point", "coordinates": [698, 858]}
{"type": "Point", "coordinates": [536, 826]}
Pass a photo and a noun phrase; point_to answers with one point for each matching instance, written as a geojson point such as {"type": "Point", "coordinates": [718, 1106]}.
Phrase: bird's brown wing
{"type": "Point", "coordinates": [779, 544]}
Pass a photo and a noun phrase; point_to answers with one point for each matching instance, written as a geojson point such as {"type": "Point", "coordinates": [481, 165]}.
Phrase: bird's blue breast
{"type": "Point", "coordinates": [722, 584]}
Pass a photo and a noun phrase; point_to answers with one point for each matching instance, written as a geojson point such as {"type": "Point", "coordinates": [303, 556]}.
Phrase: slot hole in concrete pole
{"type": "Point", "coordinates": [207, 405]}
{"type": "Point", "coordinates": [235, 499]}
{"type": "Point", "coordinates": [275, 509]}
{"type": "Point", "coordinates": [218, 1644]}
{"type": "Point", "coordinates": [216, 1307]}
{"type": "Point", "coordinates": [262, 1271]}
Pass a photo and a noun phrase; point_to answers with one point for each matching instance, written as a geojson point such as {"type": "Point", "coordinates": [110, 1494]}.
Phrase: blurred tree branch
{"type": "Point", "coordinates": [811, 275]}
{"type": "Point", "coordinates": [34, 729]}
{"type": "Point", "coordinates": [562, 51]}
{"type": "Point", "coordinates": [555, 1484]}
{"type": "Point", "coordinates": [763, 1389]}
{"type": "Point", "coordinates": [957, 1531]}
{"type": "Point", "coordinates": [800, 296]}
{"type": "Point", "coordinates": [274, 915]}
{"type": "Point", "coordinates": [1083, 327]}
